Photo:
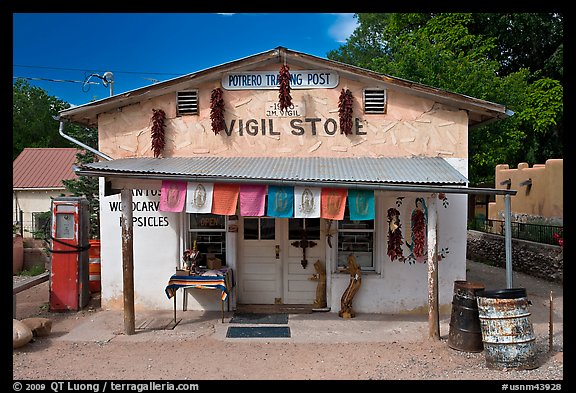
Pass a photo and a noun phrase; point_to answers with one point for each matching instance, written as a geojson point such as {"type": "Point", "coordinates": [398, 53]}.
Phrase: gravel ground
{"type": "Point", "coordinates": [199, 351]}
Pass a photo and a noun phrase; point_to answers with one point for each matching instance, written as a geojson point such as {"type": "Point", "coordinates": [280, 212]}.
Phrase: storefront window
{"type": "Point", "coordinates": [357, 238]}
{"type": "Point", "coordinates": [209, 231]}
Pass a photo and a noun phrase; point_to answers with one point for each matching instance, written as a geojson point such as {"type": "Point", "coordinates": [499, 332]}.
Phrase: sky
{"type": "Point", "coordinates": [60, 52]}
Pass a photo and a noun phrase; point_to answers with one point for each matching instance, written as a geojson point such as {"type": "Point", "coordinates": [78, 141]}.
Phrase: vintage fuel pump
{"type": "Point", "coordinates": [69, 233]}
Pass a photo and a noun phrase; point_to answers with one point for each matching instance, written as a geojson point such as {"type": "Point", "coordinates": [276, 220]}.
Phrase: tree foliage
{"type": "Point", "coordinates": [32, 118]}
{"type": "Point", "coordinates": [34, 126]}
{"type": "Point", "coordinates": [511, 59]}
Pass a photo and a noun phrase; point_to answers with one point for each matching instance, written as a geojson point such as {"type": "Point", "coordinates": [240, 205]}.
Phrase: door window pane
{"type": "Point", "coordinates": [250, 229]}
{"type": "Point", "coordinates": [267, 228]}
{"type": "Point", "coordinates": [297, 226]}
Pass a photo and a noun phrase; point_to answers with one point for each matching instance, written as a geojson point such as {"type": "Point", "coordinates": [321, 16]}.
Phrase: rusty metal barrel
{"type": "Point", "coordinates": [465, 333]}
{"type": "Point", "coordinates": [507, 331]}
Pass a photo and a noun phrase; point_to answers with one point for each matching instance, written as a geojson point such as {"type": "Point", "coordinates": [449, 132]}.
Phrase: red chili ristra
{"type": "Point", "coordinates": [284, 97]}
{"type": "Point", "coordinates": [345, 111]}
{"type": "Point", "coordinates": [217, 110]}
{"type": "Point", "coordinates": [158, 124]}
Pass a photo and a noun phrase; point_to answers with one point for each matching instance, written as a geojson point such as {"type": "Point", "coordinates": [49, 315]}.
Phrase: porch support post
{"type": "Point", "coordinates": [127, 261]}
{"type": "Point", "coordinates": [433, 308]}
{"type": "Point", "coordinates": [508, 240]}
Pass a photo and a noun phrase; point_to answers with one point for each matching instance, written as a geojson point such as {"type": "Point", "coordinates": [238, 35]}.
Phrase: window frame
{"type": "Point", "coordinates": [340, 230]}
{"type": "Point", "coordinates": [189, 242]}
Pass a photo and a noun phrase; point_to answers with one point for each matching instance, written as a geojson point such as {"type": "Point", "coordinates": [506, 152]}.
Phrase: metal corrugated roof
{"type": "Point", "coordinates": [43, 167]}
{"type": "Point", "coordinates": [395, 170]}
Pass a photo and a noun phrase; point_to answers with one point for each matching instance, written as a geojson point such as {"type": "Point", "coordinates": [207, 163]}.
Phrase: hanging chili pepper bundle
{"type": "Point", "coordinates": [345, 111]}
{"type": "Point", "coordinates": [217, 110]}
{"type": "Point", "coordinates": [419, 231]}
{"type": "Point", "coordinates": [158, 124]}
{"type": "Point", "coordinates": [284, 97]}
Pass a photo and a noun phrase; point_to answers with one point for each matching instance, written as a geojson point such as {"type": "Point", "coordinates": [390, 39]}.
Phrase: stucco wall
{"type": "Point", "coordinates": [542, 203]}
{"type": "Point", "coordinates": [402, 287]}
{"type": "Point", "coordinates": [411, 126]}
{"type": "Point", "coordinates": [29, 202]}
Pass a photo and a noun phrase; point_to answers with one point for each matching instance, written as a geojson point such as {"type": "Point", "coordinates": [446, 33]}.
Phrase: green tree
{"type": "Point", "coordinates": [463, 53]}
{"type": "Point", "coordinates": [34, 126]}
{"type": "Point", "coordinates": [32, 118]}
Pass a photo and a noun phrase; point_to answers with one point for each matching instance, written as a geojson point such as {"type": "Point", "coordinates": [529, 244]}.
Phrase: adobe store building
{"type": "Point", "coordinates": [386, 183]}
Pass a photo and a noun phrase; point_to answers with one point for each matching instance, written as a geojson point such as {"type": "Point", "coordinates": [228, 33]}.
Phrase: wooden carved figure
{"type": "Point", "coordinates": [346, 311]}
{"type": "Point", "coordinates": [320, 276]}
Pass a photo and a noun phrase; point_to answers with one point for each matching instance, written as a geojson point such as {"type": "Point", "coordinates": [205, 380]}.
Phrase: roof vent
{"type": "Point", "coordinates": [374, 101]}
{"type": "Point", "coordinates": [187, 102]}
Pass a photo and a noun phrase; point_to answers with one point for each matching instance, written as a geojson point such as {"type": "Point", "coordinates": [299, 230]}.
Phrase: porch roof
{"type": "Point", "coordinates": [433, 174]}
{"type": "Point", "coordinates": [415, 170]}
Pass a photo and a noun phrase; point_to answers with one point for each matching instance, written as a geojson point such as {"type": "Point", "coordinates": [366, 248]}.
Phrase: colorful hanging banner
{"type": "Point", "coordinates": [252, 200]}
{"type": "Point", "coordinates": [307, 202]}
{"type": "Point", "coordinates": [225, 199]}
{"type": "Point", "coordinates": [361, 204]}
{"type": "Point", "coordinates": [333, 203]}
{"type": "Point", "coordinates": [199, 197]}
{"type": "Point", "coordinates": [172, 196]}
{"type": "Point", "coordinates": [280, 201]}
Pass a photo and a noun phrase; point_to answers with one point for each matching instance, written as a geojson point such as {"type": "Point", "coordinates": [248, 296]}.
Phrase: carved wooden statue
{"type": "Point", "coordinates": [320, 276]}
{"type": "Point", "coordinates": [346, 311]}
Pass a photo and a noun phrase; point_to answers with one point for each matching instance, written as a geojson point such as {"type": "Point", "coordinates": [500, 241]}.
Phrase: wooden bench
{"type": "Point", "coordinates": [26, 284]}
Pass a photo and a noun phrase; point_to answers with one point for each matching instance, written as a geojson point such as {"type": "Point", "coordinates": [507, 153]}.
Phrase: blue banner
{"type": "Point", "coordinates": [280, 202]}
{"type": "Point", "coordinates": [361, 204]}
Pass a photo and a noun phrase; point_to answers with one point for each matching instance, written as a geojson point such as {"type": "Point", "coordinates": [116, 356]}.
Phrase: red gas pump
{"type": "Point", "coordinates": [69, 275]}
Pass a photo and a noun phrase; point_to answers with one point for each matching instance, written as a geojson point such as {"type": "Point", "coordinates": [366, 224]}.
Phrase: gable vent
{"type": "Point", "coordinates": [187, 102]}
{"type": "Point", "coordinates": [374, 101]}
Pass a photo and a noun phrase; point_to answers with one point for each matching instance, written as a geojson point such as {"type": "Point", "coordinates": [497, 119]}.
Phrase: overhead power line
{"type": "Point", "coordinates": [54, 80]}
{"type": "Point", "coordinates": [116, 72]}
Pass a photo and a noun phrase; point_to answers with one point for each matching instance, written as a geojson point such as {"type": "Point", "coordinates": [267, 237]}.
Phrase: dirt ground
{"type": "Point", "coordinates": [323, 347]}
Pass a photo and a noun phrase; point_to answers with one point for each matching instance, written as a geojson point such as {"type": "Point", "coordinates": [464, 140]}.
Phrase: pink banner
{"type": "Point", "coordinates": [225, 199]}
{"type": "Point", "coordinates": [172, 196]}
{"type": "Point", "coordinates": [252, 200]}
{"type": "Point", "coordinates": [333, 203]}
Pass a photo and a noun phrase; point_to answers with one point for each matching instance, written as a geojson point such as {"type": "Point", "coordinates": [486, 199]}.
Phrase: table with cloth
{"type": "Point", "coordinates": [222, 279]}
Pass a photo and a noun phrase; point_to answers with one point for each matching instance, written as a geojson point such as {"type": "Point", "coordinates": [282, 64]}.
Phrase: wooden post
{"type": "Point", "coordinates": [551, 326]}
{"type": "Point", "coordinates": [128, 261]}
{"type": "Point", "coordinates": [433, 311]}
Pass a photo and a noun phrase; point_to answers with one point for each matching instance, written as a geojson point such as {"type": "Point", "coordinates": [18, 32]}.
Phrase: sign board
{"type": "Point", "coordinates": [297, 109]}
{"type": "Point", "coordinates": [299, 79]}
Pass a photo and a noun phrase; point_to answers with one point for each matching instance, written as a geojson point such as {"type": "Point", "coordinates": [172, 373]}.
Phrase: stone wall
{"type": "Point", "coordinates": [536, 259]}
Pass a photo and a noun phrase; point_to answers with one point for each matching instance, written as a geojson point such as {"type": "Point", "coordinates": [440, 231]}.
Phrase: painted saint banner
{"type": "Point", "coordinates": [280, 201]}
{"type": "Point", "coordinates": [361, 204]}
{"type": "Point", "coordinates": [199, 197]}
{"type": "Point", "coordinates": [252, 200]}
{"type": "Point", "coordinates": [333, 203]}
{"type": "Point", "coordinates": [307, 202]}
{"type": "Point", "coordinates": [225, 199]}
{"type": "Point", "coordinates": [172, 196]}
{"type": "Point", "coordinates": [418, 243]}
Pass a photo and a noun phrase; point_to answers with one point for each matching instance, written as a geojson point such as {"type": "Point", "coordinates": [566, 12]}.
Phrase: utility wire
{"type": "Point", "coordinates": [116, 72]}
{"type": "Point", "coordinates": [54, 80]}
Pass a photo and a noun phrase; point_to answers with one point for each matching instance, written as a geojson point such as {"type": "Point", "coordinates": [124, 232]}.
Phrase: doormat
{"type": "Point", "coordinates": [157, 324]}
{"type": "Point", "coordinates": [258, 332]}
{"type": "Point", "coordinates": [274, 319]}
